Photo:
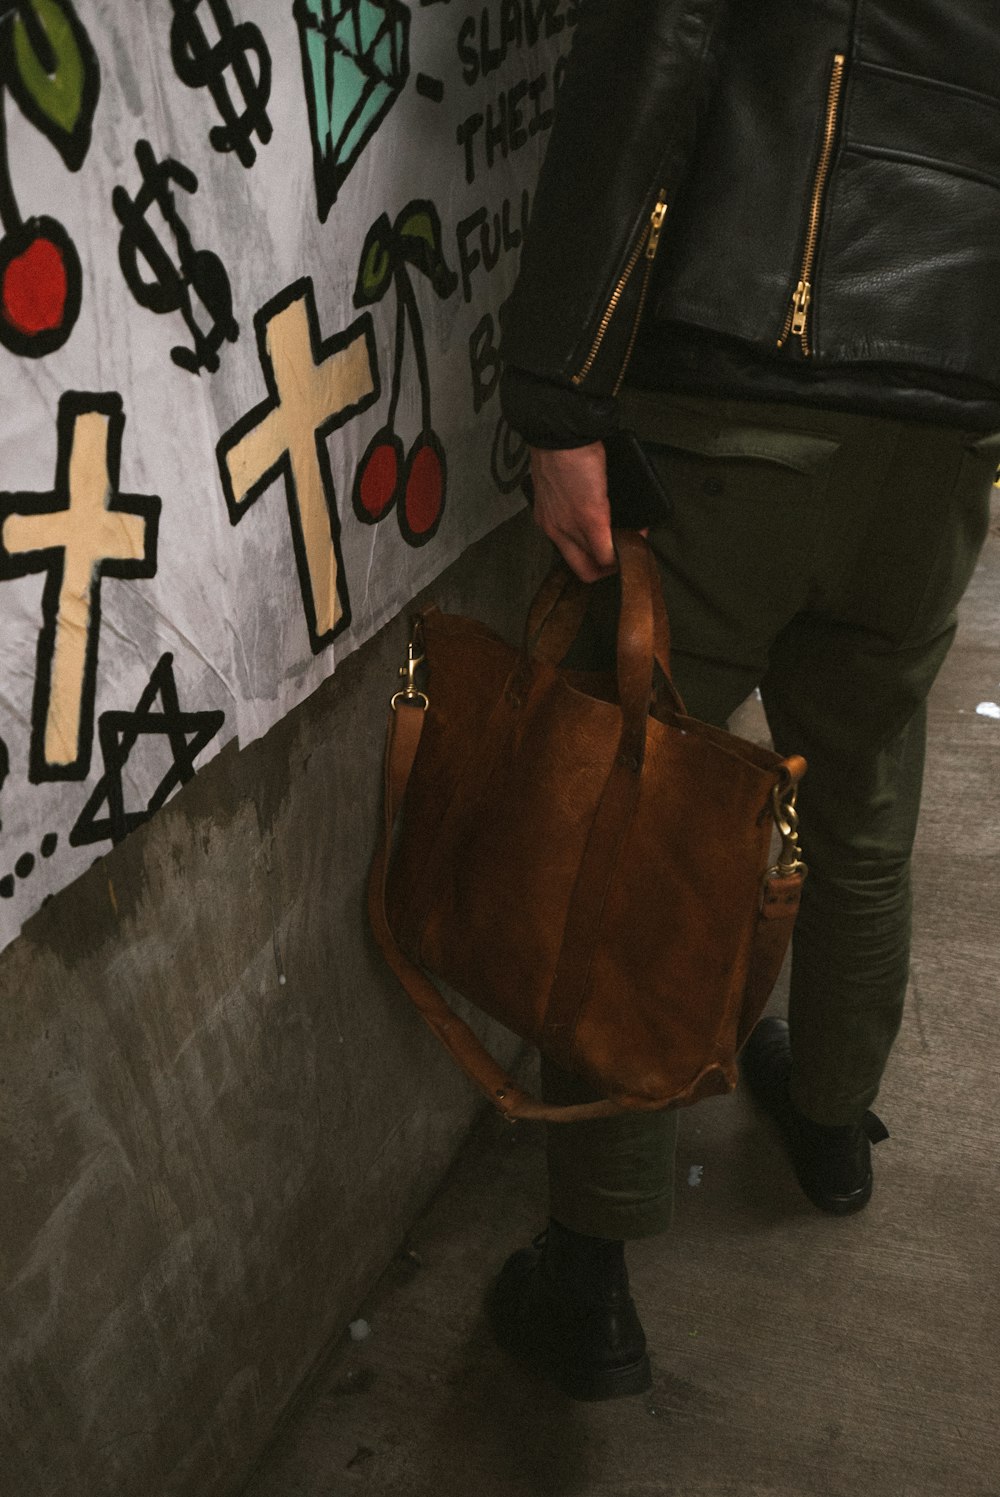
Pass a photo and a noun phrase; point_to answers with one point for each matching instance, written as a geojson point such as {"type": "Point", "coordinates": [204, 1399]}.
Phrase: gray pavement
{"type": "Point", "coordinates": [794, 1354]}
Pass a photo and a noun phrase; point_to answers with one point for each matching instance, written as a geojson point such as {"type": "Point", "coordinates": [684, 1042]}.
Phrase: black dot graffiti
{"type": "Point", "coordinates": [26, 865]}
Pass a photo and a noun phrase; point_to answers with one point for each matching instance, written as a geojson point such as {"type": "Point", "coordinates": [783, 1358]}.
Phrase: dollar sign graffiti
{"type": "Point", "coordinates": [203, 64]}
{"type": "Point", "coordinates": [171, 283]}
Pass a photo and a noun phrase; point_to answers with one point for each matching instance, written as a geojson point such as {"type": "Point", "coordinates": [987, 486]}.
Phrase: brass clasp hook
{"type": "Point", "coordinates": [786, 819]}
{"type": "Point", "coordinates": [414, 660]}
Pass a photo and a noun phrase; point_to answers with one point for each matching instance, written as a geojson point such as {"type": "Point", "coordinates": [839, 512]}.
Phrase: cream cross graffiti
{"type": "Point", "coordinates": [79, 533]}
{"type": "Point", "coordinates": [314, 386]}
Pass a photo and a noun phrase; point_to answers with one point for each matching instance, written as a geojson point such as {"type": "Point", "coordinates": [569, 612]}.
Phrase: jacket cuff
{"type": "Point", "coordinates": [552, 416]}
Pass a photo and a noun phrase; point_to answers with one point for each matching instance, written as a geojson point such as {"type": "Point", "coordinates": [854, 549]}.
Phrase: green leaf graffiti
{"type": "Point", "coordinates": [51, 70]}
{"type": "Point", "coordinates": [377, 255]}
{"type": "Point", "coordinates": [414, 239]}
{"type": "Point", "coordinates": [419, 224]}
{"type": "Point", "coordinates": [59, 93]}
{"type": "Point", "coordinates": [418, 231]}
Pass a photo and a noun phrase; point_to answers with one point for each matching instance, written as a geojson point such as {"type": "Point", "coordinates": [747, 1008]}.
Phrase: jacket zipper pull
{"type": "Point", "coordinates": [645, 245]}
{"type": "Point", "coordinates": [655, 229]}
{"type": "Point", "coordinates": [800, 308]}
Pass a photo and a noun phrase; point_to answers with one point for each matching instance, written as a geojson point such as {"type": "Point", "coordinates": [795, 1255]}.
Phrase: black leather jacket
{"type": "Point", "coordinates": [769, 199]}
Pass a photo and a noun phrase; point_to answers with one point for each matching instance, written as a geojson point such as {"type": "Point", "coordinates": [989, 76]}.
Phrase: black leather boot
{"type": "Point", "coordinates": [564, 1306]}
{"type": "Point", "coordinates": [833, 1165]}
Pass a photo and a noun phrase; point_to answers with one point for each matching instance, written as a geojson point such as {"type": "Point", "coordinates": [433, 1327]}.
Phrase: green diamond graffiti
{"type": "Point", "coordinates": [355, 59]}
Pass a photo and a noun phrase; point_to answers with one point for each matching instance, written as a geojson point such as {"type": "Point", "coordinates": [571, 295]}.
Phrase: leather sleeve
{"type": "Point", "coordinates": [551, 415]}
{"type": "Point", "coordinates": [637, 76]}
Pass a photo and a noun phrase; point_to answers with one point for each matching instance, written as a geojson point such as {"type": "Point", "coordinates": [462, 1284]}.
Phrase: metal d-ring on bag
{"type": "Point", "coordinates": [578, 857]}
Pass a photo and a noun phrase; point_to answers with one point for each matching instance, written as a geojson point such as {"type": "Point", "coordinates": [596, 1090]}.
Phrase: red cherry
{"type": "Point", "coordinates": [423, 495]}
{"type": "Point", "coordinates": [35, 287]}
{"type": "Point", "coordinates": [376, 481]}
{"type": "Point", "coordinates": [40, 286]}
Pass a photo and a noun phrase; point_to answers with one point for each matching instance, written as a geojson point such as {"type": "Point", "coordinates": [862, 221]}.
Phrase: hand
{"type": "Point", "coordinates": [572, 508]}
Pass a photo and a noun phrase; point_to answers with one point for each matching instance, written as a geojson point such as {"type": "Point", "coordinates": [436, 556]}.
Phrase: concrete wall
{"type": "Point", "coordinates": [218, 1114]}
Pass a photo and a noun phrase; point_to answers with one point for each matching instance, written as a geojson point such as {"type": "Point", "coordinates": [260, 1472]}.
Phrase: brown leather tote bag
{"type": "Point", "coordinates": [579, 858]}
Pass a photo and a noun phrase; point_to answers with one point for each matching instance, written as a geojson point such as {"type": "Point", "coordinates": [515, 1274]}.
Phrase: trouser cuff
{"type": "Point", "coordinates": [603, 1218]}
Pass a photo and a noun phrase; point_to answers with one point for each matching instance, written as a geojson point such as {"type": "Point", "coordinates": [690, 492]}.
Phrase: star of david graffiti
{"type": "Point", "coordinates": [105, 816]}
{"type": "Point", "coordinates": [79, 533]}
{"type": "Point", "coordinates": [314, 385]}
{"type": "Point", "coordinates": [355, 61]}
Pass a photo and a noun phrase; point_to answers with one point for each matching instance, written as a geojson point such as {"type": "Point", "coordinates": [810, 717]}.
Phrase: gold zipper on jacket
{"type": "Point", "coordinates": [649, 242]}
{"type": "Point", "coordinates": [797, 320]}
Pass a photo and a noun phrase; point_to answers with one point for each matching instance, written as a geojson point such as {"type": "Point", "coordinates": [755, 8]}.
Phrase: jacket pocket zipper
{"type": "Point", "coordinates": [646, 248]}
{"type": "Point", "coordinates": [797, 320]}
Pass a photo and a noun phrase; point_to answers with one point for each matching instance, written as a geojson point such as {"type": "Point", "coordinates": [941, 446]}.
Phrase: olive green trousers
{"type": "Point", "coordinates": [818, 556]}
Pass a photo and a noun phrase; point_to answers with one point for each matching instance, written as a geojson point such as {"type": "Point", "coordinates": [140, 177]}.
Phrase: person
{"type": "Point", "coordinates": [766, 240]}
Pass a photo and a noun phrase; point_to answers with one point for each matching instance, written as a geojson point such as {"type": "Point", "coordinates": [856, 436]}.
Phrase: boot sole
{"type": "Point", "coordinates": [585, 1384]}
{"type": "Point", "coordinates": [835, 1205]}
{"type": "Point", "coordinates": [595, 1385]}
{"type": "Point", "coordinates": [772, 1099]}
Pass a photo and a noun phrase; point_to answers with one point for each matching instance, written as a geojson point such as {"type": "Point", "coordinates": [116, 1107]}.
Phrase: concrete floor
{"type": "Point", "coordinates": [794, 1354]}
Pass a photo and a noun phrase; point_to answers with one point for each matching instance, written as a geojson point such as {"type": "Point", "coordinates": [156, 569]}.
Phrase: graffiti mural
{"type": "Point", "coordinates": [413, 481]}
{"type": "Point", "coordinates": [177, 275]}
{"type": "Point", "coordinates": [80, 533]}
{"type": "Point", "coordinates": [509, 458]}
{"type": "Point", "coordinates": [185, 734]}
{"type": "Point", "coordinates": [201, 62]}
{"type": "Point", "coordinates": [355, 59]}
{"type": "Point", "coordinates": [196, 524]}
{"type": "Point", "coordinates": [48, 67]}
{"type": "Point", "coordinates": [314, 386]}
